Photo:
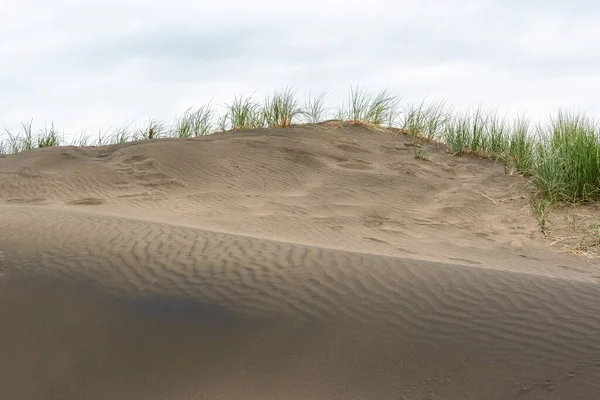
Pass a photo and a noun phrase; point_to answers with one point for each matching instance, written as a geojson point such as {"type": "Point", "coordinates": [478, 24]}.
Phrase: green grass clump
{"type": "Point", "coordinates": [314, 108]}
{"type": "Point", "coordinates": [458, 134]}
{"type": "Point", "coordinates": [280, 110]}
{"type": "Point", "coordinates": [426, 121]}
{"type": "Point", "coordinates": [498, 137]}
{"type": "Point", "coordinates": [48, 137]}
{"type": "Point", "coordinates": [488, 135]}
{"type": "Point", "coordinates": [121, 135]}
{"type": "Point", "coordinates": [154, 130]}
{"type": "Point", "coordinates": [520, 151]}
{"type": "Point", "coordinates": [194, 123]}
{"type": "Point", "coordinates": [364, 107]}
{"type": "Point", "coordinates": [242, 114]}
{"type": "Point", "coordinates": [471, 132]}
{"type": "Point", "coordinates": [568, 159]}
{"type": "Point", "coordinates": [25, 139]}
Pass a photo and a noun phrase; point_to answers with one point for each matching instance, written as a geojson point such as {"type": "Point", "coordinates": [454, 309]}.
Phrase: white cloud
{"type": "Point", "coordinates": [96, 64]}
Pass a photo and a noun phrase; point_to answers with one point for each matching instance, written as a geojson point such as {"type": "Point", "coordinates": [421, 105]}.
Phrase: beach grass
{"type": "Point", "coordinates": [363, 106]}
{"type": "Point", "coordinates": [282, 109]}
{"type": "Point", "coordinates": [315, 110]}
{"type": "Point", "coordinates": [426, 121]}
{"type": "Point", "coordinates": [561, 157]}
{"type": "Point", "coordinates": [567, 159]}
{"type": "Point", "coordinates": [242, 114]}
{"type": "Point", "coordinates": [194, 123]}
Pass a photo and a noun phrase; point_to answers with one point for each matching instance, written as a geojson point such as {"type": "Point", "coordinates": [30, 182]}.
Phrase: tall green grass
{"type": "Point", "coordinates": [462, 134]}
{"type": "Point", "coordinates": [194, 123]}
{"type": "Point", "coordinates": [562, 157]}
{"type": "Point", "coordinates": [567, 159]}
{"type": "Point", "coordinates": [315, 110]}
{"type": "Point", "coordinates": [520, 147]}
{"type": "Point", "coordinates": [25, 140]}
{"type": "Point", "coordinates": [426, 121]}
{"type": "Point", "coordinates": [498, 132]}
{"type": "Point", "coordinates": [243, 113]}
{"type": "Point", "coordinates": [488, 135]}
{"type": "Point", "coordinates": [122, 134]}
{"type": "Point", "coordinates": [155, 129]}
{"type": "Point", "coordinates": [363, 106]}
{"type": "Point", "coordinates": [282, 109]}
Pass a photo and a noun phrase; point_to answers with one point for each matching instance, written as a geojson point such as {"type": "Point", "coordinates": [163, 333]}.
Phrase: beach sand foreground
{"type": "Point", "coordinates": [305, 263]}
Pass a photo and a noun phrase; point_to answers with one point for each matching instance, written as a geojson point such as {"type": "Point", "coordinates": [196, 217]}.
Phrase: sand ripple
{"type": "Point", "coordinates": [529, 328]}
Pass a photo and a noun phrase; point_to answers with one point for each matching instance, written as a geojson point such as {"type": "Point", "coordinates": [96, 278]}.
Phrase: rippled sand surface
{"type": "Point", "coordinates": [303, 264]}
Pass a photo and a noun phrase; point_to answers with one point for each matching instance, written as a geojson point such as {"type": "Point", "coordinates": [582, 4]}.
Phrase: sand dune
{"type": "Point", "coordinates": [307, 263]}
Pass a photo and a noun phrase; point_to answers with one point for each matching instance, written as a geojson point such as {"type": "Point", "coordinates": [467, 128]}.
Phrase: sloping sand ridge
{"type": "Point", "coordinates": [309, 262]}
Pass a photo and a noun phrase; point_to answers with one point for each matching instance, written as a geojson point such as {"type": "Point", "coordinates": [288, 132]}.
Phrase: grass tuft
{"type": "Point", "coordinates": [154, 130]}
{"type": "Point", "coordinates": [48, 137]}
{"type": "Point", "coordinates": [364, 107]}
{"type": "Point", "coordinates": [457, 134]}
{"type": "Point", "coordinates": [314, 109]}
{"type": "Point", "coordinates": [122, 134]}
{"type": "Point", "coordinates": [280, 110]}
{"type": "Point", "coordinates": [497, 137]}
{"type": "Point", "coordinates": [520, 147]}
{"type": "Point", "coordinates": [426, 121]}
{"type": "Point", "coordinates": [194, 123]}
{"type": "Point", "coordinates": [568, 159]}
{"type": "Point", "coordinates": [243, 114]}
{"type": "Point", "coordinates": [25, 140]}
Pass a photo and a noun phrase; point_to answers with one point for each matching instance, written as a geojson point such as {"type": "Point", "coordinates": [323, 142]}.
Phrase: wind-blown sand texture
{"type": "Point", "coordinates": [314, 262]}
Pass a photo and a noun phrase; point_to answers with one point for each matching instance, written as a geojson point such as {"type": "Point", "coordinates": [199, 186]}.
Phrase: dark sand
{"type": "Point", "coordinates": [118, 285]}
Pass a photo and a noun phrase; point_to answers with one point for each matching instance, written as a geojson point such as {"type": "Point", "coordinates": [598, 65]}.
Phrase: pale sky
{"type": "Point", "coordinates": [89, 65]}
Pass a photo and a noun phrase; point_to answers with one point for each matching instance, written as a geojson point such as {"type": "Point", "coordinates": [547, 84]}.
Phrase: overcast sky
{"type": "Point", "coordinates": [98, 64]}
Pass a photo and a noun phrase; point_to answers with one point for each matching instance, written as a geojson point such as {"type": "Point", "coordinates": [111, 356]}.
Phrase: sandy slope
{"type": "Point", "coordinates": [310, 262]}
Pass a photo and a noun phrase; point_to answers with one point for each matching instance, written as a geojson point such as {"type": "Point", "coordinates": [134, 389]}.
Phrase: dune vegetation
{"type": "Point", "coordinates": [560, 157]}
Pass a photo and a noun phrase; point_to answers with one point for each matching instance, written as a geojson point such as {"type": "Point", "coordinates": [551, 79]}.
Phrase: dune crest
{"type": "Point", "coordinates": [352, 188]}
